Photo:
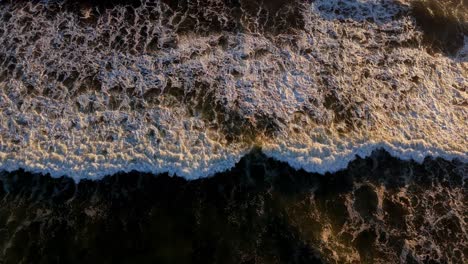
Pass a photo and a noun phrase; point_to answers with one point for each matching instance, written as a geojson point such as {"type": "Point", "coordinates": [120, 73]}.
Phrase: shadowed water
{"type": "Point", "coordinates": [444, 23]}
{"type": "Point", "coordinates": [378, 210]}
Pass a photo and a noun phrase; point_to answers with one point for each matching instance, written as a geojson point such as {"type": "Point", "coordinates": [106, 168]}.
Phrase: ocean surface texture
{"type": "Point", "coordinates": [234, 131]}
{"type": "Point", "coordinates": [379, 210]}
{"type": "Point", "coordinates": [189, 87]}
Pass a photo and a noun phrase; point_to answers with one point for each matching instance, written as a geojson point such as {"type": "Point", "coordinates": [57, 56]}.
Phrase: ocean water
{"type": "Point", "coordinates": [190, 87]}
{"type": "Point", "coordinates": [340, 126]}
{"type": "Point", "coordinates": [379, 210]}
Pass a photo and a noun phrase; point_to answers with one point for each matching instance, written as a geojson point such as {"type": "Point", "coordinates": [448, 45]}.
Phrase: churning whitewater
{"type": "Point", "coordinates": [189, 87]}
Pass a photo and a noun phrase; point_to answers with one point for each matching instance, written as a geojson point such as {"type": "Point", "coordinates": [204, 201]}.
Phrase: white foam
{"type": "Point", "coordinates": [74, 103]}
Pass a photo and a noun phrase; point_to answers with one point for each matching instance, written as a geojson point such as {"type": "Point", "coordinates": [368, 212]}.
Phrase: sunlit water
{"type": "Point", "coordinates": [190, 88]}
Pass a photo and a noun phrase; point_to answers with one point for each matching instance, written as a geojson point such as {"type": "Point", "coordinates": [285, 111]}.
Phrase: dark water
{"type": "Point", "coordinates": [444, 23]}
{"type": "Point", "coordinates": [379, 210]}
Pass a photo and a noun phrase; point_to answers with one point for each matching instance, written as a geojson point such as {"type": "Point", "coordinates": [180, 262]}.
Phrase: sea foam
{"type": "Point", "coordinates": [190, 89]}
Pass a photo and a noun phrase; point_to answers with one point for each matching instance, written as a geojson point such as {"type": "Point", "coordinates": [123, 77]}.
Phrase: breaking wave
{"type": "Point", "coordinates": [189, 87]}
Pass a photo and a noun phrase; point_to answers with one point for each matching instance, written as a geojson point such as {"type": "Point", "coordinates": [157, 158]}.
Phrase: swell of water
{"type": "Point", "coordinates": [190, 87]}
